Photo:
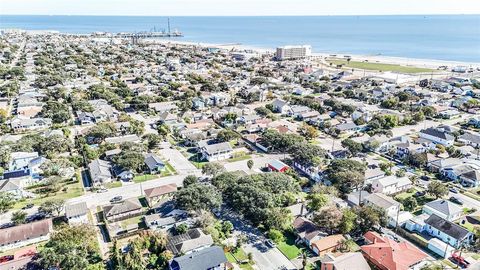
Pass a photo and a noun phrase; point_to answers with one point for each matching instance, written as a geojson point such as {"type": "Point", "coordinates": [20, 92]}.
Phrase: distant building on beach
{"type": "Point", "coordinates": [293, 52]}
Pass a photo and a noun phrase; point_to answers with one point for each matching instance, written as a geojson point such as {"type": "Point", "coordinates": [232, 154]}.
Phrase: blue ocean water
{"type": "Point", "coordinates": [443, 37]}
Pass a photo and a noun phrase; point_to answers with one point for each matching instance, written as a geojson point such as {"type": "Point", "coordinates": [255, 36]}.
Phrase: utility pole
{"type": "Point", "coordinates": [168, 23]}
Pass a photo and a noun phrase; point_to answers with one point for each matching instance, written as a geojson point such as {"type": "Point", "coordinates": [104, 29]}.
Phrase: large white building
{"type": "Point", "coordinates": [293, 52]}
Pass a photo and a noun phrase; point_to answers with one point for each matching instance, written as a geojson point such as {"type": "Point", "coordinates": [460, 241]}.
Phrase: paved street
{"type": "Point", "coordinates": [265, 258]}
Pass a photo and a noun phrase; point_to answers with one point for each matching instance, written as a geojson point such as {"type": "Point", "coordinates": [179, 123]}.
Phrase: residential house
{"type": "Point", "coordinates": [162, 107]}
{"type": "Point", "coordinates": [100, 172]}
{"type": "Point", "coordinates": [327, 244]}
{"type": "Point", "coordinates": [280, 106]}
{"type": "Point", "coordinates": [25, 234]}
{"type": "Point", "coordinates": [468, 138]}
{"type": "Point", "coordinates": [168, 118]}
{"type": "Point", "coordinates": [346, 127]}
{"type": "Point", "coordinates": [159, 194]}
{"type": "Point", "coordinates": [391, 184]}
{"type": "Point", "coordinates": [444, 209]}
{"type": "Point", "coordinates": [154, 164]}
{"type": "Point", "coordinates": [123, 210]}
{"type": "Point", "coordinates": [306, 231]}
{"type": "Point", "coordinates": [20, 124]}
{"type": "Point", "coordinates": [387, 204]}
{"type": "Point", "coordinates": [345, 261]}
{"type": "Point", "coordinates": [211, 258]}
{"type": "Point", "coordinates": [77, 213]}
{"type": "Point", "coordinates": [439, 165]}
{"type": "Point", "coordinates": [447, 231]}
{"type": "Point", "coordinates": [437, 136]}
{"type": "Point", "coordinates": [387, 254]}
{"type": "Point", "coordinates": [21, 160]}
{"type": "Point", "coordinates": [216, 152]}
{"type": "Point", "coordinates": [123, 139]}
{"type": "Point", "coordinates": [189, 242]}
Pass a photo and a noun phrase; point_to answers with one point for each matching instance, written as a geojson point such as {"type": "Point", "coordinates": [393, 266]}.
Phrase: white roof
{"type": "Point", "coordinates": [394, 180]}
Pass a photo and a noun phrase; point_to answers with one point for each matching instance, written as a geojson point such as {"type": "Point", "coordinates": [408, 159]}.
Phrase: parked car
{"type": "Point", "coordinates": [425, 178]}
{"type": "Point", "coordinates": [116, 199]}
{"type": "Point", "coordinates": [456, 200]}
{"type": "Point", "coordinates": [419, 193]}
{"type": "Point", "coordinates": [28, 206]}
{"type": "Point", "coordinates": [6, 258]}
{"type": "Point", "coordinates": [270, 243]}
{"type": "Point", "coordinates": [453, 190]}
{"type": "Point", "coordinates": [102, 190]}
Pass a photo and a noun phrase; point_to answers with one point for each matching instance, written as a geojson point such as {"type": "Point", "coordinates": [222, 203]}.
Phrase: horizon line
{"type": "Point", "coordinates": [277, 15]}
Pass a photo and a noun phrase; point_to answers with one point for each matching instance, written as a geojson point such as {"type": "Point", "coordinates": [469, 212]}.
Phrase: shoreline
{"type": "Point", "coordinates": [394, 60]}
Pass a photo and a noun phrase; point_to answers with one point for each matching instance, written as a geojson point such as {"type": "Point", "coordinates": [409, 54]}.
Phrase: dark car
{"type": "Point", "coordinates": [28, 206]}
{"type": "Point", "coordinates": [425, 178]}
{"type": "Point", "coordinates": [419, 193]}
{"type": "Point", "coordinates": [453, 190]}
{"type": "Point", "coordinates": [456, 200]}
{"type": "Point", "coordinates": [116, 199]}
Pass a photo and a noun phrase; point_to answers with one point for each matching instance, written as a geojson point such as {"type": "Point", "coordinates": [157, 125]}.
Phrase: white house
{"type": "Point", "coordinates": [76, 214]}
{"type": "Point", "coordinates": [437, 136]}
{"type": "Point", "coordinates": [391, 184]}
{"type": "Point", "coordinates": [216, 152]}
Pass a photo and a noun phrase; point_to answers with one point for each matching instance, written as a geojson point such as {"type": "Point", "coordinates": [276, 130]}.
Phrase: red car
{"type": "Point", "coordinates": [6, 258]}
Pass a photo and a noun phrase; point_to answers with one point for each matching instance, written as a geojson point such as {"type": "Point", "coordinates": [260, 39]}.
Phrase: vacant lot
{"type": "Point", "coordinates": [379, 66]}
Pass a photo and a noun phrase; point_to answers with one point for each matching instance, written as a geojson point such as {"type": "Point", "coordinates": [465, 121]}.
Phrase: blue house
{"type": "Point", "coordinates": [154, 164]}
{"type": "Point", "coordinates": [447, 231]}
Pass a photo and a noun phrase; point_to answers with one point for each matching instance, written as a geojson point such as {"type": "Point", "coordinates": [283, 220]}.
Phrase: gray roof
{"type": "Point", "coordinates": [204, 259]}
{"type": "Point", "coordinates": [447, 227]}
{"type": "Point", "coordinates": [474, 138]}
{"type": "Point", "coordinates": [381, 200]}
{"type": "Point", "coordinates": [152, 161]}
{"type": "Point", "coordinates": [437, 133]}
{"type": "Point", "coordinates": [78, 209]}
{"type": "Point", "coordinates": [217, 148]}
{"type": "Point", "coordinates": [99, 169]}
{"type": "Point", "coordinates": [444, 206]}
{"type": "Point", "coordinates": [193, 239]}
{"type": "Point", "coordinates": [122, 207]}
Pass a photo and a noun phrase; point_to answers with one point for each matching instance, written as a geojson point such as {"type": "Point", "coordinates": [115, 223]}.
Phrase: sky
{"type": "Point", "coordinates": [237, 7]}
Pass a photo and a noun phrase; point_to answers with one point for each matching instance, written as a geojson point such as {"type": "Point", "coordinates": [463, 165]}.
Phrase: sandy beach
{"type": "Point", "coordinates": [414, 62]}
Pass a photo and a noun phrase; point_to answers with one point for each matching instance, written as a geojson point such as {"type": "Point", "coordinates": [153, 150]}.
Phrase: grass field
{"type": "Point", "coordinates": [144, 177]}
{"type": "Point", "coordinates": [237, 257]}
{"type": "Point", "coordinates": [288, 247]}
{"type": "Point", "coordinates": [73, 189]}
{"type": "Point", "coordinates": [244, 157]}
{"type": "Point", "coordinates": [114, 184]}
{"type": "Point", "coordinates": [379, 66]}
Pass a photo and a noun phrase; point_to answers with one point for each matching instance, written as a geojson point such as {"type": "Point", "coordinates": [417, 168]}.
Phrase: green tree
{"type": "Point", "coordinates": [131, 160]}
{"type": "Point", "coordinates": [316, 201]}
{"type": "Point", "coordinates": [353, 147]}
{"type": "Point", "coordinates": [6, 202]}
{"type": "Point", "coordinates": [348, 221]}
{"type": "Point", "coordinates": [369, 217]}
{"type": "Point", "coordinates": [410, 203]}
{"type": "Point", "coordinates": [329, 218]}
{"type": "Point", "coordinates": [72, 248]}
{"type": "Point", "coordinates": [212, 169]}
{"type": "Point", "coordinates": [152, 140]}
{"type": "Point", "coordinates": [181, 229]}
{"type": "Point", "coordinates": [52, 206]}
{"type": "Point", "coordinates": [19, 217]}
{"type": "Point", "coordinates": [190, 180]}
{"type": "Point", "coordinates": [226, 135]}
{"type": "Point", "coordinates": [197, 197]}
{"type": "Point", "coordinates": [437, 189]}
{"type": "Point", "coordinates": [346, 174]}
{"type": "Point", "coordinates": [276, 236]}
{"type": "Point", "coordinates": [250, 164]}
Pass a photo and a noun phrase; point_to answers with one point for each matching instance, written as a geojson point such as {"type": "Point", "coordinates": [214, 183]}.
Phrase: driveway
{"type": "Point", "coordinates": [177, 160]}
{"type": "Point", "coordinates": [265, 258]}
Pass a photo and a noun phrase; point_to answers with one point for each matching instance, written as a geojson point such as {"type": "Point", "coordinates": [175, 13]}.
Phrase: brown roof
{"type": "Point", "coordinates": [328, 242]}
{"type": "Point", "coordinates": [305, 228]}
{"type": "Point", "coordinates": [161, 190]}
{"type": "Point", "coordinates": [25, 231]}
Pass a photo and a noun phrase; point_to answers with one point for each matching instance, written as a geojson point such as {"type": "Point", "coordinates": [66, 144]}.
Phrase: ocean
{"type": "Point", "coordinates": [440, 37]}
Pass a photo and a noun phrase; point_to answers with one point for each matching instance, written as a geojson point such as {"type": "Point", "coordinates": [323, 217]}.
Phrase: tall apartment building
{"type": "Point", "coordinates": [293, 52]}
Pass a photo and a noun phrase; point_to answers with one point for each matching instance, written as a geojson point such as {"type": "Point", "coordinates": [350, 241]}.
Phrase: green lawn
{"type": "Point", "coordinates": [114, 184]}
{"type": "Point", "coordinates": [288, 247]}
{"type": "Point", "coordinates": [130, 221]}
{"type": "Point", "coordinates": [244, 157]}
{"type": "Point", "coordinates": [237, 257]}
{"type": "Point", "coordinates": [144, 177]}
{"type": "Point", "coordinates": [74, 189]}
{"type": "Point", "coordinates": [402, 196]}
{"type": "Point", "coordinates": [170, 170]}
{"type": "Point", "coordinates": [379, 66]}
{"type": "Point", "coordinates": [467, 225]}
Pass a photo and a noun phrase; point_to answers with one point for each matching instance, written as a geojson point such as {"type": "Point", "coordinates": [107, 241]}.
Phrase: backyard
{"type": "Point", "coordinates": [239, 257]}
{"type": "Point", "coordinates": [288, 247]}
